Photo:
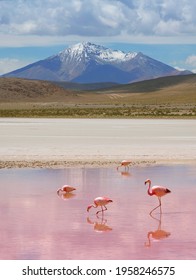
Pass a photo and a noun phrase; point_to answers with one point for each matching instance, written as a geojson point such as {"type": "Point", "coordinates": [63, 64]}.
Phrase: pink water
{"type": "Point", "coordinates": [35, 223]}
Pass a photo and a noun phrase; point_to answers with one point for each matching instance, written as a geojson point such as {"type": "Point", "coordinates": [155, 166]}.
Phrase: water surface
{"type": "Point", "coordinates": [38, 224]}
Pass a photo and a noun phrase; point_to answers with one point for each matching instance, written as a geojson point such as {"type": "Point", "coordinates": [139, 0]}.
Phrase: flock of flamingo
{"type": "Point", "coordinates": [102, 201]}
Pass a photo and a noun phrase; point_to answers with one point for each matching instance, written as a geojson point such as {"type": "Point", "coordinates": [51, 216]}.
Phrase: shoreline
{"type": "Point", "coordinates": [52, 143]}
{"type": "Point", "coordinates": [87, 163]}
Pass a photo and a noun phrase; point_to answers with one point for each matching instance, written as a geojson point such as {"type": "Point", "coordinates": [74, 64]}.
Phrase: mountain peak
{"type": "Point", "coordinates": [85, 45]}
{"type": "Point", "coordinates": [80, 47]}
{"type": "Point", "coordinates": [99, 53]}
{"type": "Point", "coordinates": [90, 63]}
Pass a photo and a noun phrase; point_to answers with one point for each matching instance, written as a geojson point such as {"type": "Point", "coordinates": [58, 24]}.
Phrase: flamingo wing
{"type": "Point", "coordinates": [100, 201]}
{"type": "Point", "coordinates": [160, 191]}
{"type": "Point", "coordinates": [68, 188]}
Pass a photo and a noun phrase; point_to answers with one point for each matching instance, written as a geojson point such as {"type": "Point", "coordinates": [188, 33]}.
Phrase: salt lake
{"type": "Point", "coordinates": [38, 224]}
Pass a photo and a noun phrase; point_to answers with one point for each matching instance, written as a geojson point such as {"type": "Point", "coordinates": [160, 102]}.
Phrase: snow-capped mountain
{"type": "Point", "coordinates": [96, 52]}
{"type": "Point", "coordinates": [90, 63]}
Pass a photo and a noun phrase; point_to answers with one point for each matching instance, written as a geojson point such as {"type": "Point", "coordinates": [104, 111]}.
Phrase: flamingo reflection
{"type": "Point", "coordinates": [100, 224]}
{"type": "Point", "coordinates": [157, 234]}
{"type": "Point", "coordinates": [66, 196]}
{"type": "Point", "coordinates": [125, 174]}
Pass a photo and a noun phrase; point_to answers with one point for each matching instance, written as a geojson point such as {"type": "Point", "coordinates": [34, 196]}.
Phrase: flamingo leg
{"type": "Point", "coordinates": [157, 206]}
{"type": "Point", "coordinates": [160, 205]}
{"type": "Point", "coordinates": [148, 243]}
{"type": "Point", "coordinates": [102, 209]}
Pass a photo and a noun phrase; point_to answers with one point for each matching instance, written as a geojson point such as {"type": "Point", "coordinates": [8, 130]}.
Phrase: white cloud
{"type": "Point", "coordinates": [111, 15]}
{"type": "Point", "coordinates": [171, 27]}
{"type": "Point", "coordinates": [99, 18]}
{"type": "Point", "coordinates": [179, 68]}
{"type": "Point", "coordinates": [191, 60]}
{"type": "Point", "coordinates": [11, 64]}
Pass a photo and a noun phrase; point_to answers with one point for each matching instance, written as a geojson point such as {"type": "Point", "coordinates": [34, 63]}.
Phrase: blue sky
{"type": "Point", "coordinates": [33, 30]}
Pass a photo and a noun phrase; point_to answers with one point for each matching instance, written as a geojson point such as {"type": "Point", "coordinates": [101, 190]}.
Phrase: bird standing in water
{"type": "Point", "coordinates": [124, 163]}
{"type": "Point", "coordinates": [100, 201]}
{"type": "Point", "coordinates": [66, 189]}
{"type": "Point", "coordinates": [159, 191]}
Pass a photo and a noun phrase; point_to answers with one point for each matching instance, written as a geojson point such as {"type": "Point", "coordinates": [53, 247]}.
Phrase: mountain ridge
{"type": "Point", "coordinates": [90, 63]}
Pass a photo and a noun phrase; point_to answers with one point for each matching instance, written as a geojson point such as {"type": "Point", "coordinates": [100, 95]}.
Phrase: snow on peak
{"type": "Point", "coordinates": [116, 55]}
{"type": "Point", "coordinates": [89, 50]}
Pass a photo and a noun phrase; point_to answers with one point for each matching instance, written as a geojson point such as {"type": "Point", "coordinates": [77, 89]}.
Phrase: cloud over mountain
{"type": "Point", "coordinates": [98, 17]}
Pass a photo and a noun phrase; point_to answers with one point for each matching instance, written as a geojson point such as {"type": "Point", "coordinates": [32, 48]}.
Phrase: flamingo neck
{"type": "Point", "coordinates": [150, 234]}
{"type": "Point", "coordinates": [90, 206]}
{"type": "Point", "coordinates": [149, 190]}
{"type": "Point", "coordinates": [94, 205]}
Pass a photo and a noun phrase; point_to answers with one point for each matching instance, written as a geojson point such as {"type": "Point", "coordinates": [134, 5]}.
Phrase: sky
{"type": "Point", "coordinates": [31, 30]}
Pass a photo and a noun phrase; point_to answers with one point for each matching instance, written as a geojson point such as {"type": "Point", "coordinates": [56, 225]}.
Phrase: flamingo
{"type": "Point", "coordinates": [66, 189]}
{"type": "Point", "coordinates": [159, 191]}
{"type": "Point", "coordinates": [100, 201]}
{"type": "Point", "coordinates": [124, 163]}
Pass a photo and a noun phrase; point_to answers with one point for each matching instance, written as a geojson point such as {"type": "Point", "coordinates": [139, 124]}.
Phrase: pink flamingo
{"type": "Point", "coordinates": [159, 191]}
{"type": "Point", "coordinates": [100, 201]}
{"type": "Point", "coordinates": [66, 189]}
{"type": "Point", "coordinates": [124, 163]}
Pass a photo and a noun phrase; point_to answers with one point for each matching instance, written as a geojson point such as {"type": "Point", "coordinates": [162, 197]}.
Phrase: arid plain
{"type": "Point", "coordinates": [145, 121]}
{"type": "Point", "coordinates": [168, 97]}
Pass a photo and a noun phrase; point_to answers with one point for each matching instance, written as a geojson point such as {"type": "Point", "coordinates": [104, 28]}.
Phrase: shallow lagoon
{"type": "Point", "coordinates": [38, 224]}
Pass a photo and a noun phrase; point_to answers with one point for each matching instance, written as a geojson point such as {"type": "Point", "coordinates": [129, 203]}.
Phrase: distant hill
{"type": "Point", "coordinates": [78, 86]}
{"type": "Point", "coordinates": [89, 63]}
{"type": "Point", "coordinates": [157, 84]}
{"type": "Point", "coordinates": [162, 90]}
{"type": "Point", "coordinates": [21, 90]}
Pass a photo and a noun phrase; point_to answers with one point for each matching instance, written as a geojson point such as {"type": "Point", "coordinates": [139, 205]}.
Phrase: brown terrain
{"type": "Point", "coordinates": [162, 97]}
